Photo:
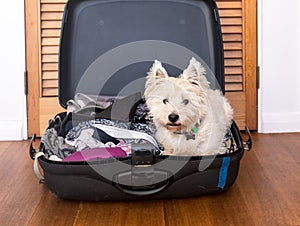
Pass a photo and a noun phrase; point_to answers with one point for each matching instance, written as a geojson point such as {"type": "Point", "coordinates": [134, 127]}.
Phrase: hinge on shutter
{"type": "Point", "coordinates": [26, 82]}
{"type": "Point", "coordinates": [257, 77]}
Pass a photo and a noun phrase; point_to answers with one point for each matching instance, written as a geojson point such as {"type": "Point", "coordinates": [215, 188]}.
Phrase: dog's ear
{"type": "Point", "coordinates": [157, 70]}
{"type": "Point", "coordinates": [195, 74]}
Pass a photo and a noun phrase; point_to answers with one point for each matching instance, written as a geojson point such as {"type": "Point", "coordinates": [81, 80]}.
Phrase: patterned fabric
{"type": "Point", "coordinates": [56, 145]}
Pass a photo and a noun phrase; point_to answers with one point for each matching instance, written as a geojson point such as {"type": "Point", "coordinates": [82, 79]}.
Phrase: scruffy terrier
{"type": "Point", "coordinates": [190, 117]}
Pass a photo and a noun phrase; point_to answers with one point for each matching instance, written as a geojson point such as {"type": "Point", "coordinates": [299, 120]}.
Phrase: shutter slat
{"type": "Point", "coordinates": [50, 41]}
{"type": "Point", "coordinates": [231, 21]}
{"type": "Point", "coordinates": [54, 1]}
{"type": "Point", "coordinates": [51, 33]}
{"type": "Point", "coordinates": [52, 16]}
{"type": "Point", "coordinates": [233, 87]}
{"type": "Point", "coordinates": [232, 37]}
{"type": "Point", "coordinates": [49, 67]}
{"type": "Point", "coordinates": [230, 12]}
{"type": "Point", "coordinates": [234, 79]}
{"type": "Point", "coordinates": [50, 49]}
{"type": "Point", "coordinates": [233, 62]}
{"type": "Point", "coordinates": [57, 7]}
{"type": "Point", "coordinates": [49, 75]}
{"type": "Point", "coordinates": [233, 46]}
{"type": "Point", "coordinates": [233, 70]}
{"type": "Point", "coordinates": [229, 4]}
{"type": "Point", "coordinates": [48, 24]}
{"type": "Point", "coordinates": [231, 29]}
{"type": "Point", "coordinates": [233, 54]}
{"type": "Point", "coordinates": [50, 58]}
{"type": "Point", "coordinates": [50, 83]}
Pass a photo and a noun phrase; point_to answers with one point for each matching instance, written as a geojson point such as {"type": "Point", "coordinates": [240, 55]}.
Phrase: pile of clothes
{"type": "Point", "coordinates": [99, 128]}
{"type": "Point", "coordinates": [105, 127]}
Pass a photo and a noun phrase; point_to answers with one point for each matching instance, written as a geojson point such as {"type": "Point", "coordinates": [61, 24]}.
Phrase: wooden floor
{"type": "Point", "coordinates": [266, 192]}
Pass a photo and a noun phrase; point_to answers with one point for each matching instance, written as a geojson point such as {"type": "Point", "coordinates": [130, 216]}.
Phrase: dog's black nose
{"type": "Point", "coordinates": [173, 118]}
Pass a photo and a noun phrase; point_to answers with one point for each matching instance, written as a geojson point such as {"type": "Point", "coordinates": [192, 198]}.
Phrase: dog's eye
{"type": "Point", "coordinates": [185, 101]}
{"type": "Point", "coordinates": [165, 101]}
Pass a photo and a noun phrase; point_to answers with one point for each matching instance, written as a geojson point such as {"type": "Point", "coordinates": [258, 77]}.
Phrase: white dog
{"type": "Point", "coordinates": [190, 117]}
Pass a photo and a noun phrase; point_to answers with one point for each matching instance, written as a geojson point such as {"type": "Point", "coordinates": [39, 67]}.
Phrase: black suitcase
{"type": "Point", "coordinates": [106, 48]}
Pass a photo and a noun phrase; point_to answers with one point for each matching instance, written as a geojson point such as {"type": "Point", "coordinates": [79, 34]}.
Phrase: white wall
{"type": "Point", "coordinates": [12, 67]}
{"type": "Point", "coordinates": [279, 58]}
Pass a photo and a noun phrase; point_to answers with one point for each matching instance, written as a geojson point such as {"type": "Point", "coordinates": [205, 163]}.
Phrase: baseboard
{"type": "Point", "coordinates": [280, 122]}
{"type": "Point", "coordinates": [12, 130]}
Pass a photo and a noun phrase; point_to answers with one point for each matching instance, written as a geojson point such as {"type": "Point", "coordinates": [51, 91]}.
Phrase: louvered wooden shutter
{"type": "Point", "coordinates": [232, 30]}
{"type": "Point", "coordinates": [238, 21]}
{"type": "Point", "coordinates": [51, 16]}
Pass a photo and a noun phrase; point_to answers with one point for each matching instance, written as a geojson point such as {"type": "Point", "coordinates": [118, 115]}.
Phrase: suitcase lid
{"type": "Point", "coordinates": [107, 47]}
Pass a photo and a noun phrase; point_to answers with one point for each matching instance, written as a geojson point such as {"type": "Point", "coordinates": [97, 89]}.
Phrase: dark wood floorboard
{"type": "Point", "coordinates": [266, 192]}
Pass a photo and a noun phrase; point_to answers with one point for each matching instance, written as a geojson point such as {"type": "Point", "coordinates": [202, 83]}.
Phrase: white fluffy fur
{"type": "Point", "coordinates": [191, 98]}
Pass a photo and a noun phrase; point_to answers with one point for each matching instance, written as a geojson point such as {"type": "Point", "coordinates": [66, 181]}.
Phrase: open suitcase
{"type": "Point", "coordinates": [106, 48]}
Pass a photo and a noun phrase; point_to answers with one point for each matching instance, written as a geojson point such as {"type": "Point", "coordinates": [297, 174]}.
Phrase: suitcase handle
{"type": "Point", "coordinates": [141, 192]}
{"type": "Point", "coordinates": [142, 180]}
{"type": "Point", "coordinates": [32, 151]}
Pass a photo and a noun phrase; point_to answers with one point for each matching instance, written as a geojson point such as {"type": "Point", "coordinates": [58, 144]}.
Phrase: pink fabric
{"type": "Point", "coordinates": [95, 153]}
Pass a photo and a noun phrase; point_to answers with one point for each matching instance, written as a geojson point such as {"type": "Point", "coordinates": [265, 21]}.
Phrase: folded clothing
{"type": "Point", "coordinates": [114, 108]}
{"type": "Point", "coordinates": [82, 101]}
{"type": "Point", "coordinates": [85, 136]}
{"type": "Point", "coordinates": [122, 123]}
{"type": "Point", "coordinates": [56, 145]}
{"type": "Point", "coordinates": [95, 153]}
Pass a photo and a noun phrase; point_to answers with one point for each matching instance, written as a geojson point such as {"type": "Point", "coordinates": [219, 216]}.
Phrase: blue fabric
{"type": "Point", "coordinates": [223, 172]}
